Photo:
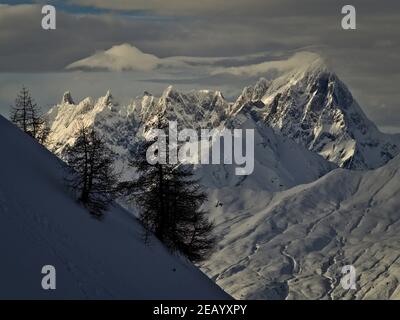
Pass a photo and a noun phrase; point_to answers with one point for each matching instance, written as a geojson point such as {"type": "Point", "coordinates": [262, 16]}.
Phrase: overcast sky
{"type": "Point", "coordinates": [130, 46]}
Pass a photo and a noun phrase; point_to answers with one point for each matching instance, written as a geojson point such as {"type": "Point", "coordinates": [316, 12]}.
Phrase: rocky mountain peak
{"type": "Point", "coordinates": [67, 98]}
{"type": "Point", "coordinates": [309, 105]}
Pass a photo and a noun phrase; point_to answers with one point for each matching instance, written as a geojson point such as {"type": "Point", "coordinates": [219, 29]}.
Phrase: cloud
{"type": "Point", "coordinates": [238, 8]}
{"type": "Point", "coordinates": [200, 70]}
{"type": "Point", "coordinates": [118, 58]}
{"type": "Point", "coordinates": [126, 57]}
{"type": "Point", "coordinates": [281, 66]}
{"type": "Point", "coordinates": [174, 7]}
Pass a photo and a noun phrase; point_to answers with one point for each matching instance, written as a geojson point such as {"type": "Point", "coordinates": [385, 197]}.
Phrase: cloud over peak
{"type": "Point", "coordinates": [126, 57]}
{"type": "Point", "coordinates": [298, 60]}
{"type": "Point", "coordinates": [118, 58]}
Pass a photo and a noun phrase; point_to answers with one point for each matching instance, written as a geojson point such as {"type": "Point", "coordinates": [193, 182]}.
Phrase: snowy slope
{"type": "Point", "coordinates": [293, 244]}
{"type": "Point", "coordinates": [41, 225]}
{"type": "Point", "coordinates": [313, 107]}
{"type": "Point", "coordinates": [279, 163]}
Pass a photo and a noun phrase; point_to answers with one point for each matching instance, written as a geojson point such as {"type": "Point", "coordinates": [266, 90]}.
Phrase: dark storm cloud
{"type": "Point", "coordinates": [25, 46]}
{"type": "Point", "coordinates": [367, 59]}
{"type": "Point", "coordinates": [279, 28]}
{"type": "Point", "coordinates": [229, 8]}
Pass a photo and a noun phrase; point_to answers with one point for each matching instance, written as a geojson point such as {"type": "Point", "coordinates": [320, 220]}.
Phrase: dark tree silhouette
{"type": "Point", "coordinates": [26, 115]}
{"type": "Point", "coordinates": [93, 176]}
{"type": "Point", "coordinates": [170, 200]}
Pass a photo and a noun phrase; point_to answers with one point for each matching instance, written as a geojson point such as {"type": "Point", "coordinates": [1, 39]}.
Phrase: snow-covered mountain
{"type": "Point", "coordinates": [287, 229]}
{"type": "Point", "coordinates": [293, 244]}
{"type": "Point", "coordinates": [40, 224]}
{"type": "Point", "coordinates": [122, 126]}
{"type": "Point", "coordinates": [309, 105]}
{"type": "Point", "coordinates": [279, 162]}
{"type": "Point", "coordinates": [312, 106]}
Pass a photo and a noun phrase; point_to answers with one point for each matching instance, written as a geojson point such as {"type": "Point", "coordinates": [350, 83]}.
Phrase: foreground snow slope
{"type": "Point", "coordinates": [293, 244]}
{"type": "Point", "coordinates": [41, 225]}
